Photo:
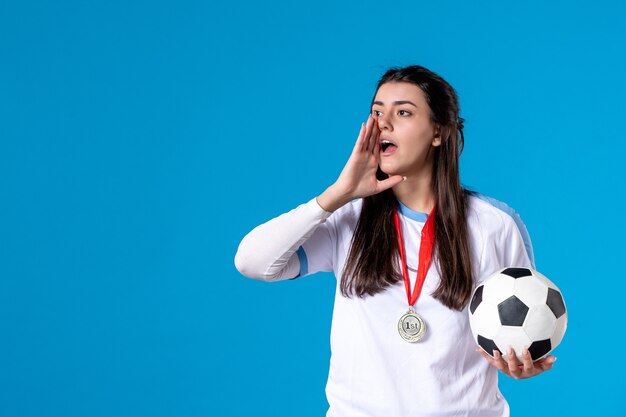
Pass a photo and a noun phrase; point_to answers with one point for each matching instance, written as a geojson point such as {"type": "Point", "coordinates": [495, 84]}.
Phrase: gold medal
{"type": "Point", "coordinates": [411, 326]}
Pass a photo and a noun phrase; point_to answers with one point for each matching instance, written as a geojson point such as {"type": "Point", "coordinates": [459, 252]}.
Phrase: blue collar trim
{"type": "Point", "coordinates": [412, 214]}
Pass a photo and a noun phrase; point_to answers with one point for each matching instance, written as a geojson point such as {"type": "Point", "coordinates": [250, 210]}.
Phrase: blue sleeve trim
{"type": "Point", "coordinates": [304, 263]}
{"type": "Point", "coordinates": [516, 217]}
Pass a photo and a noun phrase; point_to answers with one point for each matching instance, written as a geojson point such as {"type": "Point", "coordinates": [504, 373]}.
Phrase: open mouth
{"type": "Point", "coordinates": [387, 146]}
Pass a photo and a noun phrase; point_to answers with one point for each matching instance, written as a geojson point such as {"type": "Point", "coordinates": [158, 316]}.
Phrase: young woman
{"type": "Point", "coordinates": [408, 244]}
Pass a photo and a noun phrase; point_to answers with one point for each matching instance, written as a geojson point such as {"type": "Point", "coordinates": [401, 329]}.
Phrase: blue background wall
{"type": "Point", "coordinates": [140, 141]}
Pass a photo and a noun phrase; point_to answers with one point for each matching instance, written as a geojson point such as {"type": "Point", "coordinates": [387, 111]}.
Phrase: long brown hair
{"type": "Point", "coordinates": [373, 262]}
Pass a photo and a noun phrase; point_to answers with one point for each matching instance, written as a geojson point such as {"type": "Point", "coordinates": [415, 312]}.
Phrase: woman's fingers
{"type": "Point", "coordinates": [546, 363]}
{"type": "Point", "coordinates": [358, 146]}
{"type": "Point", "coordinates": [486, 356]}
{"type": "Point", "coordinates": [374, 134]}
{"type": "Point", "coordinates": [500, 362]}
{"type": "Point", "coordinates": [368, 132]}
{"type": "Point", "coordinates": [528, 362]}
{"type": "Point", "coordinates": [513, 363]}
{"type": "Point", "coordinates": [495, 360]}
{"type": "Point", "coordinates": [514, 368]}
{"type": "Point", "coordinates": [358, 176]}
{"type": "Point", "coordinates": [363, 136]}
{"type": "Point", "coordinates": [368, 136]}
{"type": "Point", "coordinates": [390, 182]}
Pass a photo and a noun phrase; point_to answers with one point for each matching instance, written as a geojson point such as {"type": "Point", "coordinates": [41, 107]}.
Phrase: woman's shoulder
{"type": "Point", "coordinates": [488, 213]}
{"type": "Point", "coordinates": [494, 218]}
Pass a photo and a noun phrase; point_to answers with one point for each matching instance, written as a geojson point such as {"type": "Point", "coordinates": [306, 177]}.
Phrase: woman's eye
{"type": "Point", "coordinates": [375, 112]}
{"type": "Point", "coordinates": [404, 111]}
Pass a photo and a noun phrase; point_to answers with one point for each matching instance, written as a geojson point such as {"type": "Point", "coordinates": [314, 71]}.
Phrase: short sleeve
{"type": "Point", "coordinates": [516, 218]}
{"type": "Point", "coordinates": [504, 247]}
{"type": "Point", "coordinates": [512, 247]}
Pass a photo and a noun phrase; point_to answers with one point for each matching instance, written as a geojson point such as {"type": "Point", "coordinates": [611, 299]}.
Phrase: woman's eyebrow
{"type": "Point", "coordinates": [395, 103]}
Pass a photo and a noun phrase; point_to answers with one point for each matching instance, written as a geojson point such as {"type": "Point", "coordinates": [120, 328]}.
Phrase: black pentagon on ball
{"type": "Point", "coordinates": [539, 348]}
{"type": "Point", "coordinates": [512, 311]}
{"type": "Point", "coordinates": [555, 302]}
{"type": "Point", "coordinates": [517, 272]}
{"type": "Point", "coordinates": [488, 345]}
{"type": "Point", "coordinates": [476, 299]}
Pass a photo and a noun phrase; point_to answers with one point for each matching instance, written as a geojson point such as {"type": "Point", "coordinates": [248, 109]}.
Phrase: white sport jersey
{"type": "Point", "coordinates": [373, 371]}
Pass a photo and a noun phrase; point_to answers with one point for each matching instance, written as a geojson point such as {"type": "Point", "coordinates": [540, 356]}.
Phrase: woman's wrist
{"type": "Point", "coordinates": [332, 199]}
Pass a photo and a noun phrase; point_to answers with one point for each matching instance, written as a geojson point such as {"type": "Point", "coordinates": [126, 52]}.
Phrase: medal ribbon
{"type": "Point", "coordinates": [425, 255]}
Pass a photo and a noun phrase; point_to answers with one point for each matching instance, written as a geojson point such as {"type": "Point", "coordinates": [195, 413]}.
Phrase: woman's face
{"type": "Point", "coordinates": [404, 120]}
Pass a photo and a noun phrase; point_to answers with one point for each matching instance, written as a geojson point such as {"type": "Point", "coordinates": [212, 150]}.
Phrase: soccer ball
{"type": "Point", "coordinates": [518, 307]}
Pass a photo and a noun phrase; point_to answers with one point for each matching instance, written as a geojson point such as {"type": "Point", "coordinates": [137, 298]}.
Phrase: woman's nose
{"type": "Point", "coordinates": [382, 122]}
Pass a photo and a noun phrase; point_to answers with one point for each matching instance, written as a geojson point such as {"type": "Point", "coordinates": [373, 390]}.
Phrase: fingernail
{"type": "Point", "coordinates": [554, 359]}
{"type": "Point", "coordinates": [495, 353]}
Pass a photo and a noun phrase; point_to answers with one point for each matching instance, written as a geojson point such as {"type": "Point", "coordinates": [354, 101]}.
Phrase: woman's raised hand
{"type": "Point", "coordinates": [358, 177]}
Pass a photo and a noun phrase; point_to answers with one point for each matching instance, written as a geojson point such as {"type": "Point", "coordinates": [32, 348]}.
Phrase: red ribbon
{"type": "Point", "coordinates": [425, 255]}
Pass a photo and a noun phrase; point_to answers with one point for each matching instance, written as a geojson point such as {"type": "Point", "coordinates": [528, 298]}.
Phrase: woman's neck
{"type": "Point", "coordinates": [416, 193]}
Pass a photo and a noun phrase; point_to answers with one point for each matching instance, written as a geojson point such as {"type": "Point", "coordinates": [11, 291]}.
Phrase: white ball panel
{"type": "Point", "coordinates": [498, 289]}
{"type": "Point", "coordinates": [513, 336]}
{"type": "Point", "coordinates": [485, 320]}
{"type": "Point", "coordinates": [531, 291]}
{"type": "Point", "coordinates": [559, 331]}
{"type": "Point", "coordinates": [545, 280]}
{"type": "Point", "coordinates": [540, 323]}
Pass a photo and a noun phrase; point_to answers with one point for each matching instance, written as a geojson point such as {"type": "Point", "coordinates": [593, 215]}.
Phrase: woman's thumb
{"type": "Point", "coordinates": [391, 181]}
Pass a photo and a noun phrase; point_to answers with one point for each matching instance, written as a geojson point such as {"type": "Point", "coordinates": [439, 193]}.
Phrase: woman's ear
{"type": "Point", "coordinates": [437, 138]}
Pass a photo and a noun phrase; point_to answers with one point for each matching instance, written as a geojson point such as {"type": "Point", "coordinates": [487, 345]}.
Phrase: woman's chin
{"type": "Point", "coordinates": [389, 170]}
